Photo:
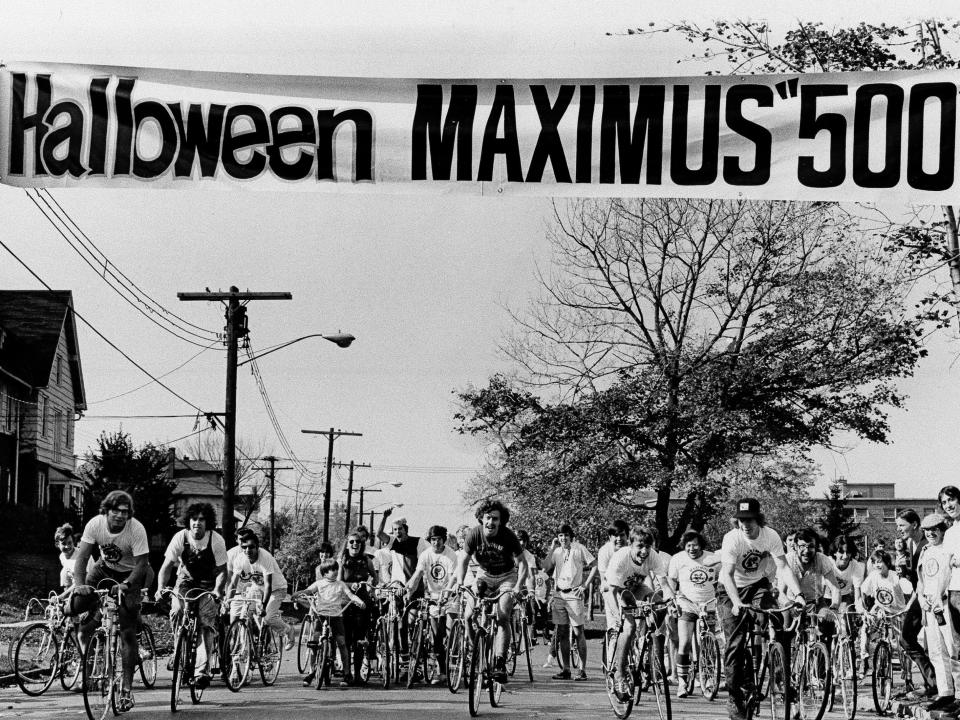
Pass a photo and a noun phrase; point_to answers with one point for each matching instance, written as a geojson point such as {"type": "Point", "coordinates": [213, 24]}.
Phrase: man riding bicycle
{"type": "Point", "coordinates": [501, 567]}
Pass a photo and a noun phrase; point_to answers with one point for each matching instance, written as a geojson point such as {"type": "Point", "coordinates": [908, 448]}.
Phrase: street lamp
{"type": "Point", "coordinates": [343, 340]}
{"type": "Point", "coordinates": [366, 488]}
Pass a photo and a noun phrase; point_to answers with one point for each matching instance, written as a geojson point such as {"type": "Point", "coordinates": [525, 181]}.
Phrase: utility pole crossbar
{"type": "Point", "coordinates": [331, 436]}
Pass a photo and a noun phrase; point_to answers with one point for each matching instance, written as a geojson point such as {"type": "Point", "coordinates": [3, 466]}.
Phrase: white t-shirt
{"type": "Point", "coordinates": [329, 596]}
{"type": "Point", "coordinates": [117, 551]}
{"type": "Point", "coordinates": [951, 541]}
{"type": "Point", "coordinates": [437, 569]}
{"type": "Point", "coordinates": [213, 540]}
{"type": "Point", "coordinates": [382, 560]}
{"type": "Point", "coordinates": [746, 555]}
{"type": "Point", "coordinates": [811, 579]}
{"type": "Point", "coordinates": [885, 590]}
{"type": "Point", "coordinates": [66, 569]}
{"type": "Point", "coordinates": [568, 566]}
{"type": "Point", "coordinates": [935, 572]}
{"type": "Point", "coordinates": [603, 557]}
{"type": "Point", "coordinates": [529, 582]}
{"type": "Point", "coordinates": [624, 571]}
{"type": "Point", "coordinates": [696, 578]}
{"type": "Point", "coordinates": [255, 573]}
{"type": "Point", "coordinates": [849, 578]}
{"type": "Point", "coordinates": [653, 582]}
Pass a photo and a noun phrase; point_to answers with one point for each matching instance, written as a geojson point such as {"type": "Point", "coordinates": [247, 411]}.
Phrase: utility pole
{"type": "Point", "coordinates": [331, 436]}
{"type": "Point", "coordinates": [272, 475]}
{"type": "Point", "coordinates": [236, 327]}
{"type": "Point", "coordinates": [346, 527]}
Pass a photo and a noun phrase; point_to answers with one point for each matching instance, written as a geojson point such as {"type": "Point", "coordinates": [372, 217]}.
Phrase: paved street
{"type": "Point", "coordinates": [545, 698]}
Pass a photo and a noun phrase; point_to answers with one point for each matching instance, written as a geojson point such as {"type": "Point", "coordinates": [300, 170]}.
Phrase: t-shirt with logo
{"type": "Point", "coordinates": [437, 569]}
{"type": "Point", "coordinates": [886, 591]}
{"type": "Point", "coordinates": [696, 578]}
{"type": "Point", "coordinates": [626, 572]}
{"type": "Point", "coordinates": [253, 574]}
{"type": "Point", "coordinates": [117, 550]}
{"type": "Point", "coordinates": [540, 586]}
{"type": "Point", "coordinates": [494, 555]}
{"type": "Point", "coordinates": [746, 555]}
{"type": "Point", "coordinates": [934, 570]}
{"type": "Point", "coordinates": [850, 578]}
{"type": "Point", "coordinates": [568, 566]}
{"type": "Point", "coordinates": [810, 578]}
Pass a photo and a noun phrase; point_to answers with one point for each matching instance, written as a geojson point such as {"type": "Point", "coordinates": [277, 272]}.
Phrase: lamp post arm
{"type": "Point", "coordinates": [340, 340]}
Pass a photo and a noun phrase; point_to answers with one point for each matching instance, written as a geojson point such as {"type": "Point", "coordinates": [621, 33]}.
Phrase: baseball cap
{"type": "Point", "coordinates": [933, 520]}
{"type": "Point", "coordinates": [747, 509]}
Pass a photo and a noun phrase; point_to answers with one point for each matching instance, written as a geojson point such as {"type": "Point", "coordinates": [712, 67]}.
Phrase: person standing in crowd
{"type": "Point", "coordinates": [124, 558]}
{"type": "Point", "coordinates": [568, 562]}
{"type": "Point", "coordinates": [910, 532]}
{"type": "Point", "coordinates": [501, 567]}
{"type": "Point", "coordinates": [692, 575]}
{"type": "Point", "coordinates": [934, 568]}
{"type": "Point", "coordinates": [743, 584]}
{"type": "Point", "coordinates": [200, 556]}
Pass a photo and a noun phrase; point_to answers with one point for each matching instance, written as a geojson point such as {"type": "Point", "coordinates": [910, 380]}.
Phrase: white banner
{"type": "Point", "coordinates": [851, 136]}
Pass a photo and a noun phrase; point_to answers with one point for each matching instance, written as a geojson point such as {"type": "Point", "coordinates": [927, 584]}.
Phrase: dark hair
{"type": "Point", "coordinates": [346, 543]}
{"type": "Point", "coordinates": [326, 547]}
{"type": "Point", "coordinates": [618, 527]}
{"type": "Point", "coordinates": [909, 515]}
{"type": "Point", "coordinates": [523, 536]}
{"type": "Point", "coordinates": [488, 506]}
{"type": "Point", "coordinates": [883, 556]}
{"type": "Point", "coordinates": [844, 542]}
{"type": "Point", "coordinates": [566, 529]}
{"type": "Point", "coordinates": [114, 499]}
{"type": "Point", "coordinates": [63, 532]}
{"type": "Point", "coordinates": [950, 491]}
{"type": "Point", "coordinates": [243, 532]}
{"type": "Point", "coordinates": [642, 535]}
{"type": "Point", "coordinates": [249, 535]}
{"type": "Point", "coordinates": [691, 535]}
{"type": "Point", "coordinates": [328, 565]}
{"type": "Point", "coordinates": [809, 536]}
{"type": "Point", "coordinates": [204, 510]}
{"type": "Point", "coordinates": [438, 531]}
{"type": "Point", "coordinates": [361, 528]}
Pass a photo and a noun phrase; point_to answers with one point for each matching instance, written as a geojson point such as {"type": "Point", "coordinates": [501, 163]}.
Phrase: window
{"type": "Point", "coordinates": [42, 413]}
{"type": "Point", "coordinates": [41, 489]}
{"type": "Point", "coordinates": [58, 433]}
{"type": "Point", "coordinates": [13, 409]}
{"type": "Point", "coordinates": [889, 515]}
{"type": "Point", "coordinates": [59, 369]}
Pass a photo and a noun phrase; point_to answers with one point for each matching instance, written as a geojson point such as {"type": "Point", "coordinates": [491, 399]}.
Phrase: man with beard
{"type": "Point", "coordinates": [742, 583]}
{"type": "Point", "coordinates": [124, 558]}
{"type": "Point", "coordinates": [201, 554]}
{"type": "Point", "coordinates": [501, 566]}
{"type": "Point", "coordinates": [813, 570]}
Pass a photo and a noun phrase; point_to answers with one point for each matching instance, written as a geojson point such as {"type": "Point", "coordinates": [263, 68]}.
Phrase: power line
{"type": "Point", "coordinates": [104, 337]}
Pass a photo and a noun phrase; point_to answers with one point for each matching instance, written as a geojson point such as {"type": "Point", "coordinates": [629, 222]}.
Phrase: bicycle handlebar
{"type": "Point", "coordinates": [199, 594]}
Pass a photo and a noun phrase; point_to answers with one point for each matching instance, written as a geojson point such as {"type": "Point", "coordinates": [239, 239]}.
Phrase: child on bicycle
{"type": "Point", "coordinates": [880, 592]}
{"type": "Point", "coordinates": [331, 596]}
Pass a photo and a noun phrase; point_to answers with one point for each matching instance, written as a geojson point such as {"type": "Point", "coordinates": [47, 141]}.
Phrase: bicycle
{"type": "Point", "coordinates": [187, 642]}
{"type": "Point", "coordinates": [387, 634]}
{"type": "Point", "coordinates": [480, 673]}
{"type": "Point", "coordinates": [520, 637]}
{"type": "Point", "coordinates": [102, 660]}
{"type": "Point", "coordinates": [645, 670]}
{"type": "Point", "coordinates": [423, 653]}
{"type": "Point", "coordinates": [458, 646]}
{"type": "Point", "coordinates": [844, 662]}
{"type": "Point", "coordinates": [888, 627]}
{"type": "Point", "coordinates": [48, 649]}
{"type": "Point", "coordinates": [706, 652]}
{"type": "Point", "coordinates": [811, 667]}
{"type": "Point", "coordinates": [360, 647]}
{"type": "Point", "coordinates": [266, 652]}
{"type": "Point", "coordinates": [766, 659]}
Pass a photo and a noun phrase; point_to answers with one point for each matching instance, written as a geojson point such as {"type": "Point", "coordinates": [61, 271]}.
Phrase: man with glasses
{"type": "Point", "coordinates": [124, 557]}
{"type": "Point", "coordinates": [261, 577]}
{"type": "Point", "coordinates": [813, 570]}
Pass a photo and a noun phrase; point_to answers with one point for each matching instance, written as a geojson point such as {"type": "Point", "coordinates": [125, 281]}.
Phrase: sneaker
{"type": "Point", "coordinates": [145, 653]}
{"type": "Point", "coordinates": [289, 643]}
{"type": "Point", "coordinates": [562, 675]}
{"type": "Point", "coordinates": [682, 687]}
{"type": "Point", "coordinates": [170, 663]}
{"type": "Point", "coordinates": [125, 702]}
{"type": "Point", "coordinates": [500, 671]}
{"type": "Point", "coordinates": [550, 659]}
{"type": "Point", "coordinates": [582, 675]}
{"type": "Point", "coordinates": [621, 689]}
{"type": "Point", "coordinates": [202, 681]}
{"type": "Point", "coordinates": [308, 680]}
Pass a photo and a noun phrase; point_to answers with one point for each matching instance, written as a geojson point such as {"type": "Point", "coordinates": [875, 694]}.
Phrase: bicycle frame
{"type": "Point", "coordinates": [188, 639]}
{"type": "Point", "coordinates": [480, 670]}
{"type": "Point", "coordinates": [102, 665]}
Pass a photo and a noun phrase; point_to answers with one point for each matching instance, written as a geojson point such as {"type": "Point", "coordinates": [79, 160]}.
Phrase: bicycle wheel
{"type": "Point", "coordinates": [456, 656]}
{"type": "Point", "coordinates": [845, 679]}
{"type": "Point", "coordinates": [71, 661]}
{"type": "Point", "coordinates": [815, 682]}
{"type": "Point", "coordinates": [476, 672]}
{"type": "Point", "coordinates": [148, 656]}
{"type": "Point", "coordinates": [98, 671]}
{"type": "Point", "coordinates": [383, 651]}
{"type": "Point", "coordinates": [303, 652]}
{"type": "Point", "coordinates": [777, 691]}
{"type": "Point", "coordinates": [881, 677]}
{"type": "Point", "coordinates": [513, 647]}
{"type": "Point", "coordinates": [621, 708]}
{"type": "Point", "coordinates": [270, 655]}
{"type": "Point", "coordinates": [526, 650]}
{"type": "Point", "coordinates": [324, 663]}
{"type": "Point", "coordinates": [416, 646]}
{"type": "Point", "coordinates": [495, 689]}
{"type": "Point", "coordinates": [35, 659]}
{"type": "Point", "coordinates": [196, 691]}
{"type": "Point", "coordinates": [708, 666]}
{"type": "Point", "coordinates": [236, 661]}
{"type": "Point", "coordinates": [181, 670]}
{"type": "Point", "coordinates": [658, 683]}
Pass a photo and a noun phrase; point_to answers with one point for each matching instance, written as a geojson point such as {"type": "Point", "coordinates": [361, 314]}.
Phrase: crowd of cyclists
{"type": "Point", "coordinates": [797, 580]}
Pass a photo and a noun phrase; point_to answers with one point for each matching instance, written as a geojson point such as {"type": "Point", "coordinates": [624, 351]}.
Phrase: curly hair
{"type": "Point", "coordinates": [201, 509]}
{"type": "Point", "coordinates": [114, 499]}
{"type": "Point", "coordinates": [488, 506]}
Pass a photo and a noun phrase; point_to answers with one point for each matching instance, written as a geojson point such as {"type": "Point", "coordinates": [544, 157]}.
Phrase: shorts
{"type": "Point", "coordinates": [568, 609]}
{"type": "Point", "coordinates": [611, 610]}
{"type": "Point", "coordinates": [495, 583]}
{"type": "Point", "coordinates": [689, 610]}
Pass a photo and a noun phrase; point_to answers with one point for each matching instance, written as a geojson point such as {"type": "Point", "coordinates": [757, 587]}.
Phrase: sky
{"type": "Point", "coordinates": [421, 280]}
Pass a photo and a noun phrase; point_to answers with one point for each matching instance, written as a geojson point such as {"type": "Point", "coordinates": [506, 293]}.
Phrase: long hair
{"type": "Point", "coordinates": [115, 498]}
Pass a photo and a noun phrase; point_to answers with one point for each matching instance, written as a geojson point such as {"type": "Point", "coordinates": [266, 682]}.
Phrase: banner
{"type": "Point", "coordinates": [851, 136]}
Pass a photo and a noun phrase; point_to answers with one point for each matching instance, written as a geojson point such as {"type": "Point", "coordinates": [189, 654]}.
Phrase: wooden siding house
{"type": "Point", "coordinates": [41, 395]}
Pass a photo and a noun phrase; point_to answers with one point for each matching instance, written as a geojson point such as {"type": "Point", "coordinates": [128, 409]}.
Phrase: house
{"type": "Point", "coordinates": [200, 481]}
{"type": "Point", "coordinates": [41, 396]}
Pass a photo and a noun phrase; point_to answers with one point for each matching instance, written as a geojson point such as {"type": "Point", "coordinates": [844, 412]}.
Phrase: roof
{"type": "Point", "coordinates": [202, 466]}
{"type": "Point", "coordinates": [197, 486]}
{"type": "Point", "coordinates": [33, 321]}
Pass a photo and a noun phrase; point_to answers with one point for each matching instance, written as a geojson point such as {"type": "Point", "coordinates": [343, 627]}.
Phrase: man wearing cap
{"type": "Point", "coordinates": [742, 584]}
